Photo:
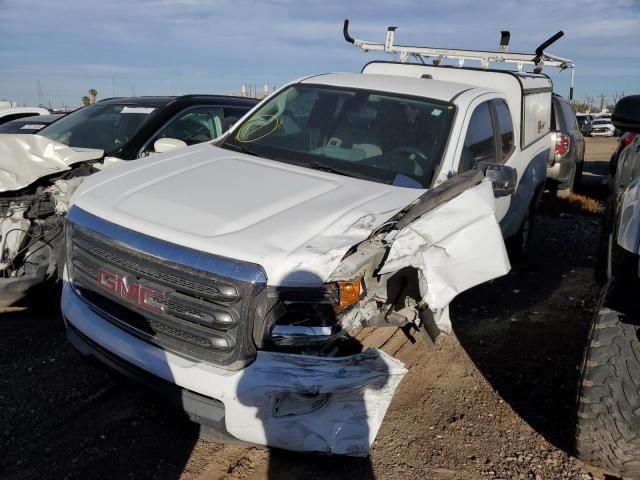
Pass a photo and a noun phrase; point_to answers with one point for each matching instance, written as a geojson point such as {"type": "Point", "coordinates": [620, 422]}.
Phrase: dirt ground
{"type": "Point", "coordinates": [493, 402]}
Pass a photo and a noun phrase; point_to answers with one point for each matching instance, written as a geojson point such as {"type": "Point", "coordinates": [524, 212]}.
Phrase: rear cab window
{"type": "Point", "coordinates": [507, 140]}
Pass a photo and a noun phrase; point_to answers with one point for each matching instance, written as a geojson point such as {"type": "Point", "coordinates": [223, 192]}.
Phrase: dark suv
{"type": "Point", "coordinates": [564, 168]}
{"type": "Point", "coordinates": [129, 128]}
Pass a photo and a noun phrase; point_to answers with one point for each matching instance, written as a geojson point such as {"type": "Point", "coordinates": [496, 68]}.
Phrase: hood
{"type": "Point", "coordinates": [295, 222]}
{"type": "Point", "coordinates": [26, 158]}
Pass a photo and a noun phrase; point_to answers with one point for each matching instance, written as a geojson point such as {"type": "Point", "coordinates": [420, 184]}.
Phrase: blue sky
{"type": "Point", "coordinates": [188, 46]}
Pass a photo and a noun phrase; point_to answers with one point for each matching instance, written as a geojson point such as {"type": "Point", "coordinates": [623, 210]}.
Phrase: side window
{"type": "Point", "coordinates": [231, 116]}
{"type": "Point", "coordinates": [480, 142]}
{"type": "Point", "coordinates": [195, 125]}
{"type": "Point", "coordinates": [505, 125]}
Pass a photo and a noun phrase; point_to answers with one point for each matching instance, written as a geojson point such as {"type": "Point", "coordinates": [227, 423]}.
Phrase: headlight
{"type": "Point", "coordinates": [307, 316]}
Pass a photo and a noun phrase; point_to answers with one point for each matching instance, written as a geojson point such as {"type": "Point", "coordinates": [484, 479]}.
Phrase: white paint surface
{"type": "Point", "coordinates": [629, 226]}
{"type": "Point", "coordinates": [295, 222]}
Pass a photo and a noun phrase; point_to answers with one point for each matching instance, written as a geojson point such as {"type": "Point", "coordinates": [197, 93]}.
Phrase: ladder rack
{"type": "Point", "coordinates": [538, 60]}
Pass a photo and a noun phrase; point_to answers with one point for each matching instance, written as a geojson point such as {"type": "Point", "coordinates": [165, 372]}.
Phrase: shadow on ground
{"type": "Point", "coordinates": [526, 331]}
{"type": "Point", "coordinates": [126, 433]}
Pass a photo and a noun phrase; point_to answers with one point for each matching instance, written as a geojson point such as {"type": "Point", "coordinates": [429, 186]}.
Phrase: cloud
{"type": "Point", "coordinates": [156, 46]}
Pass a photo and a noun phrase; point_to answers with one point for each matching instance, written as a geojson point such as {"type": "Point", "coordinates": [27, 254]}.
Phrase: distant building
{"type": "Point", "coordinates": [8, 104]}
{"type": "Point", "coordinates": [253, 92]}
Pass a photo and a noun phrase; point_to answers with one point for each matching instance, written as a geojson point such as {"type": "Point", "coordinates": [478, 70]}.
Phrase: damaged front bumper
{"type": "Point", "coordinates": [296, 402]}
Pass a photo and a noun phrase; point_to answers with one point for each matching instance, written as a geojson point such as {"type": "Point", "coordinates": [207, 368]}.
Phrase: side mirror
{"type": "Point", "coordinates": [163, 145]}
{"type": "Point", "coordinates": [503, 178]}
{"type": "Point", "coordinates": [626, 114]}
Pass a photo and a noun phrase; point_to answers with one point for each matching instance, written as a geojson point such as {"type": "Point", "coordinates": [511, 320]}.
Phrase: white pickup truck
{"type": "Point", "coordinates": [232, 272]}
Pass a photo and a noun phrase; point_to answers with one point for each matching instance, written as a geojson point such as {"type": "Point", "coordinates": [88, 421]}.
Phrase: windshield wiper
{"type": "Point", "coordinates": [338, 171]}
{"type": "Point", "coordinates": [240, 148]}
{"type": "Point", "coordinates": [327, 168]}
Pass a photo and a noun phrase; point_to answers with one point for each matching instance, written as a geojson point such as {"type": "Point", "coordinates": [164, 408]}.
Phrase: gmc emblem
{"type": "Point", "coordinates": [145, 297]}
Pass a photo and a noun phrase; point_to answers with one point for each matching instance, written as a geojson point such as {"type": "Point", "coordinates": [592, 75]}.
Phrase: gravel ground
{"type": "Point", "coordinates": [493, 402]}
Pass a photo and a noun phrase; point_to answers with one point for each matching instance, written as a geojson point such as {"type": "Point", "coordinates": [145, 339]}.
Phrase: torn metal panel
{"type": "Point", "coordinates": [456, 246]}
{"type": "Point", "coordinates": [348, 398]}
{"type": "Point", "coordinates": [62, 191]}
{"type": "Point", "coordinates": [24, 159]}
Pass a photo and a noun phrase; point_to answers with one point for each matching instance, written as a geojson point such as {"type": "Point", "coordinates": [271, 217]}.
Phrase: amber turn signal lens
{"type": "Point", "coordinates": [350, 294]}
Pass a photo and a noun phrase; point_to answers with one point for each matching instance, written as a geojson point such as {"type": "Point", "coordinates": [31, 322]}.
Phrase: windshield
{"type": "Point", "coordinates": [376, 136]}
{"type": "Point", "coordinates": [602, 122]}
{"type": "Point", "coordinates": [106, 127]}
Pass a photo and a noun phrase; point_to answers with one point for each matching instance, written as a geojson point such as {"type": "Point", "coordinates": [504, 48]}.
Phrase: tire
{"type": "Point", "coordinates": [518, 244]}
{"type": "Point", "coordinates": [604, 242]}
{"type": "Point", "coordinates": [577, 180]}
{"type": "Point", "coordinates": [608, 407]}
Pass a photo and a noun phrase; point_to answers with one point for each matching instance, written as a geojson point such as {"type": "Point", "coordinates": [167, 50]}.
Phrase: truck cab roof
{"type": "Point", "coordinates": [182, 100]}
{"type": "Point", "coordinates": [442, 90]}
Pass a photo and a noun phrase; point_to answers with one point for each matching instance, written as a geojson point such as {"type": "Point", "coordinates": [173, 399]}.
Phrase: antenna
{"type": "Point", "coordinates": [39, 93]}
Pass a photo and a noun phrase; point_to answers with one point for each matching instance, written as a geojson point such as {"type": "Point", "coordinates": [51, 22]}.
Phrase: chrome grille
{"type": "Point", "coordinates": [189, 310]}
{"type": "Point", "coordinates": [212, 289]}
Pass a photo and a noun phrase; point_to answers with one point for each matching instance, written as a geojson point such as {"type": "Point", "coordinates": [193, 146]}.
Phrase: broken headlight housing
{"type": "Point", "coordinates": [306, 316]}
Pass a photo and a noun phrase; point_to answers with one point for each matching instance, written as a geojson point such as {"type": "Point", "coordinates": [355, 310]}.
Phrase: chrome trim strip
{"type": "Point", "coordinates": [222, 266]}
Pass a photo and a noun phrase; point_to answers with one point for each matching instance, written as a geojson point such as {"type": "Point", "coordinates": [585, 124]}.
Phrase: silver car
{"type": "Point", "coordinates": [566, 160]}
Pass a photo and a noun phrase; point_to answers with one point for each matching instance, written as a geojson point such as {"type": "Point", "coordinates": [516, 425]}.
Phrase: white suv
{"type": "Point", "coordinates": [602, 127]}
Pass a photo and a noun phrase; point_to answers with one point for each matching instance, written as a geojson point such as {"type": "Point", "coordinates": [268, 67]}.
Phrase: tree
{"type": "Point", "coordinates": [584, 105]}
{"type": "Point", "coordinates": [86, 100]}
{"type": "Point", "coordinates": [93, 93]}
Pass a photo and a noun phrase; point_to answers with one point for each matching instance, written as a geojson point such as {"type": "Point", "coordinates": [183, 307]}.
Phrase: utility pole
{"type": "Point", "coordinates": [39, 93]}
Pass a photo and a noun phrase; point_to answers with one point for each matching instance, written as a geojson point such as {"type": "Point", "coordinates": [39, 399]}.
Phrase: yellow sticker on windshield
{"type": "Point", "coordinates": [258, 128]}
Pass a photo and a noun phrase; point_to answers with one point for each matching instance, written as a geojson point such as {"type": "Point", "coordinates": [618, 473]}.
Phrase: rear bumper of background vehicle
{"type": "Point", "coordinates": [295, 402]}
{"type": "Point", "coordinates": [562, 170]}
